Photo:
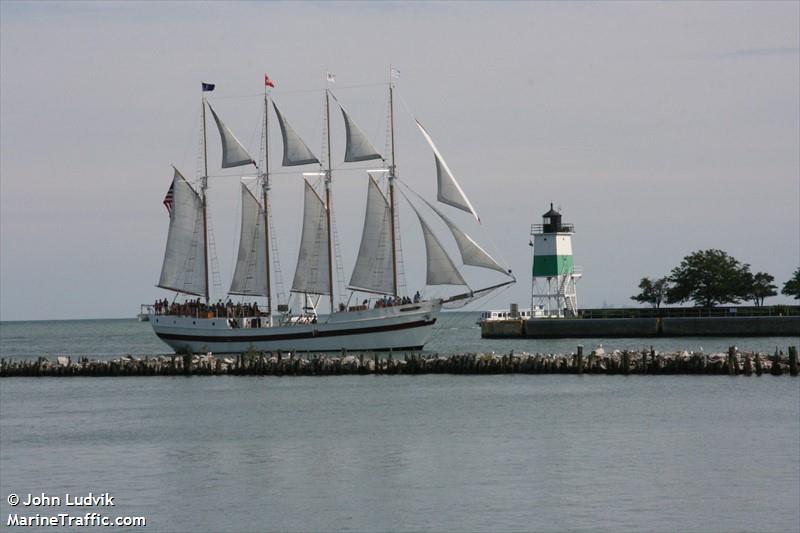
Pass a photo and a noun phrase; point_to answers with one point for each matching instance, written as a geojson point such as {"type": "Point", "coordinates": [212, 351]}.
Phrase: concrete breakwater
{"type": "Point", "coordinates": [563, 328]}
{"type": "Point", "coordinates": [295, 364]}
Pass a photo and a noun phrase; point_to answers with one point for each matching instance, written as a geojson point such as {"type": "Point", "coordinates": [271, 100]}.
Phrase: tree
{"type": "Point", "coordinates": [653, 291]}
{"type": "Point", "coordinates": [709, 277]}
{"type": "Point", "coordinates": [792, 285]}
{"type": "Point", "coordinates": [760, 286]}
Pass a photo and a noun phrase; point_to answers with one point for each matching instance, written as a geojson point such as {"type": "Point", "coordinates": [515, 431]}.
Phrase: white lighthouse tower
{"type": "Point", "coordinates": [553, 293]}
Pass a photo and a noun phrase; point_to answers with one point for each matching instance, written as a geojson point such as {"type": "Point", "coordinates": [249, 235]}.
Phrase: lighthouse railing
{"type": "Point", "coordinates": [538, 229]}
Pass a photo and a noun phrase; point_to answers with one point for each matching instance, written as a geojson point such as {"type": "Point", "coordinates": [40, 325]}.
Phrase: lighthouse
{"type": "Point", "coordinates": [553, 292]}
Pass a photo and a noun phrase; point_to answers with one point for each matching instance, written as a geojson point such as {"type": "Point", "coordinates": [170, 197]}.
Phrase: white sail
{"type": "Point", "coordinates": [471, 252]}
{"type": "Point", "coordinates": [184, 268]}
{"type": "Point", "coordinates": [440, 268]}
{"type": "Point", "coordinates": [358, 147]}
{"type": "Point", "coordinates": [311, 275]}
{"type": "Point", "coordinates": [233, 153]}
{"type": "Point", "coordinates": [449, 191]}
{"type": "Point", "coordinates": [374, 270]}
{"type": "Point", "coordinates": [295, 151]}
{"type": "Point", "coordinates": [250, 275]}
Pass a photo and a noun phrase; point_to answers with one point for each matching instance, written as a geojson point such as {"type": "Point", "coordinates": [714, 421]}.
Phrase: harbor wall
{"type": "Point", "coordinates": [752, 326]}
{"type": "Point", "coordinates": [562, 328]}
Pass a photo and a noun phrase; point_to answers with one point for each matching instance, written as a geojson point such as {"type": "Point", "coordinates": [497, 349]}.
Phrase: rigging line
{"type": "Point", "coordinates": [299, 91]}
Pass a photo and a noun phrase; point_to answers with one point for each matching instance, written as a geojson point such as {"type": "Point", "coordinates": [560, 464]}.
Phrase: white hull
{"type": "Point", "coordinates": [403, 327]}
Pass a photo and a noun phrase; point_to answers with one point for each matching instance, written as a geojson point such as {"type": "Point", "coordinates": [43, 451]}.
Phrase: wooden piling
{"type": "Point", "coordinates": [732, 360]}
{"type": "Point", "coordinates": [776, 363]}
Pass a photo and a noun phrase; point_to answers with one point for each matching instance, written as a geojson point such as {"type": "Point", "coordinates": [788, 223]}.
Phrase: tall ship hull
{"type": "Point", "coordinates": [403, 327]}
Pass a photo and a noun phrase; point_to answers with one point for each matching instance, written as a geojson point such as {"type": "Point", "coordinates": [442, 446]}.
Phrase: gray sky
{"type": "Point", "coordinates": [659, 128]}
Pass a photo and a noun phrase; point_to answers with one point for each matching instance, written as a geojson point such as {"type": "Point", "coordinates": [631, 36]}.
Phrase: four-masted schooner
{"type": "Point", "coordinates": [393, 322]}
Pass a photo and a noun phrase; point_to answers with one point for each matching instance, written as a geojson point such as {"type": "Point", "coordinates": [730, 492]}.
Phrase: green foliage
{"type": "Point", "coordinates": [709, 278]}
{"type": "Point", "coordinates": [652, 292]}
{"type": "Point", "coordinates": [760, 286]}
{"type": "Point", "coordinates": [792, 285]}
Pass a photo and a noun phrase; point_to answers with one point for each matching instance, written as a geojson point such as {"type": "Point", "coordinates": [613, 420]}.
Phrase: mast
{"type": "Point", "coordinates": [328, 206]}
{"type": "Point", "coordinates": [265, 191]}
{"type": "Point", "coordinates": [392, 170]}
{"type": "Point", "coordinates": [203, 187]}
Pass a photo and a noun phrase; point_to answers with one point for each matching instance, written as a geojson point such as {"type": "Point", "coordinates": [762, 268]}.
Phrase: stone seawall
{"type": "Point", "coordinates": [291, 364]}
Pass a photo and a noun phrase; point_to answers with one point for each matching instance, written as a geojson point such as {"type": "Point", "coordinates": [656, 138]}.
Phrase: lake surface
{"type": "Point", "coordinates": [433, 452]}
{"type": "Point", "coordinates": [436, 452]}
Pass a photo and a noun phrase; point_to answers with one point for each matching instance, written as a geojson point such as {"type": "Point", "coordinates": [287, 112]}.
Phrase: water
{"type": "Point", "coordinates": [373, 453]}
{"type": "Point", "coordinates": [454, 333]}
{"type": "Point", "coordinates": [367, 453]}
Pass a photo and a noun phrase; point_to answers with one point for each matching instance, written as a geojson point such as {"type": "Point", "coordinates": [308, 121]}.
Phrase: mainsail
{"type": "Point", "coordinates": [440, 268]}
{"type": "Point", "coordinates": [295, 151]}
{"type": "Point", "coordinates": [184, 267]}
{"type": "Point", "coordinates": [311, 275]}
{"type": "Point", "coordinates": [250, 275]}
{"type": "Point", "coordinates": [449, 191]}
{"type": "Point", "coordinates": [233, 153]}
{"type": "Point", "coordinates": [358, 147]}
{"type": "Point", "coordinates": [374, 270]}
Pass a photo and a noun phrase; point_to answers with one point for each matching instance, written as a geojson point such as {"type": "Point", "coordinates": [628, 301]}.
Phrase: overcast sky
{"type": "Point", "coordinates": [659, 128]}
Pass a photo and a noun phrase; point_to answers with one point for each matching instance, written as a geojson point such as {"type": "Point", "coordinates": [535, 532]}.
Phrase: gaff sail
{"type": "Point", "coordinates": [374, 270]}
{"type": "Point", "coordinates": [311, 275]}
{"type": "Point", "coordinates": [250, 274]}
{"type": "Point", "coordinates": [184, 268]}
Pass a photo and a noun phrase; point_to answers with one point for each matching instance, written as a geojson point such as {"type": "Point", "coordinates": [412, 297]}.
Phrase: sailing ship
{"type": "Point", "coordinates": [385, 320]}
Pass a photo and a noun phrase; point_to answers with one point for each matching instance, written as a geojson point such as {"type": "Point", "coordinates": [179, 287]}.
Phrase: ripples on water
{"type": "Point", "coordinates": [431, 452]}
{"type": "Point", "coordinates": [434, 452]}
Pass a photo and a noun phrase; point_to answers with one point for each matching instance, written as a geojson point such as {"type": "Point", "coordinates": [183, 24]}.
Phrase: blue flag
{"type": "Point", "coordinates": [207, 86]}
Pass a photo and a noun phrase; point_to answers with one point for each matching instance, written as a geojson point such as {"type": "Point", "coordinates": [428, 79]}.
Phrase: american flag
{"type": "Point", "coordinates": [169, 198]}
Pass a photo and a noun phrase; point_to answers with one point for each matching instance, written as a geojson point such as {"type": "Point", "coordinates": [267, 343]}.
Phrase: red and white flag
{"type": "Point", "coordinates": [267, 81]}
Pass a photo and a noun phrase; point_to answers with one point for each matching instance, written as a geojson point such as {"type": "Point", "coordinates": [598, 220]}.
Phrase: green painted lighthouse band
{"type": "Point", "coordinates": [552, 265]}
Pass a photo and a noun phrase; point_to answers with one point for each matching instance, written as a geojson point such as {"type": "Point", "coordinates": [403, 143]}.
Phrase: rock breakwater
{"type": "Point", "coordinates": [625, 362]}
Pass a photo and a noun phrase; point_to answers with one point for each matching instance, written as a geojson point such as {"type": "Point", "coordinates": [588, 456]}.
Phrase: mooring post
{"type": "Point", "coordinates": [759, 368]}
{"type": "Point", "coordinates": [793, 360]}
{"type": "Point", "coordinates": [776, 363]}
{"type": "Point", "coordinates": [653, 368]}
{"type": "Point", "coordinates": [580, 359]}
{"type": "Point", "coordinates": [732, 360]}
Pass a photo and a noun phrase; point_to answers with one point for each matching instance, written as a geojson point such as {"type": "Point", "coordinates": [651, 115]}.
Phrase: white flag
{"type": "Point", "coordinates": [331, 77]}
{"type": "Point", "coordinates": [395, 73]}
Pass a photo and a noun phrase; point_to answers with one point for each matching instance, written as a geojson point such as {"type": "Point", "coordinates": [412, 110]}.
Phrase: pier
{"type": "Point", "coordinates": [783, 321]}
{"type": "Point", "coordinates": [600, 362]}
